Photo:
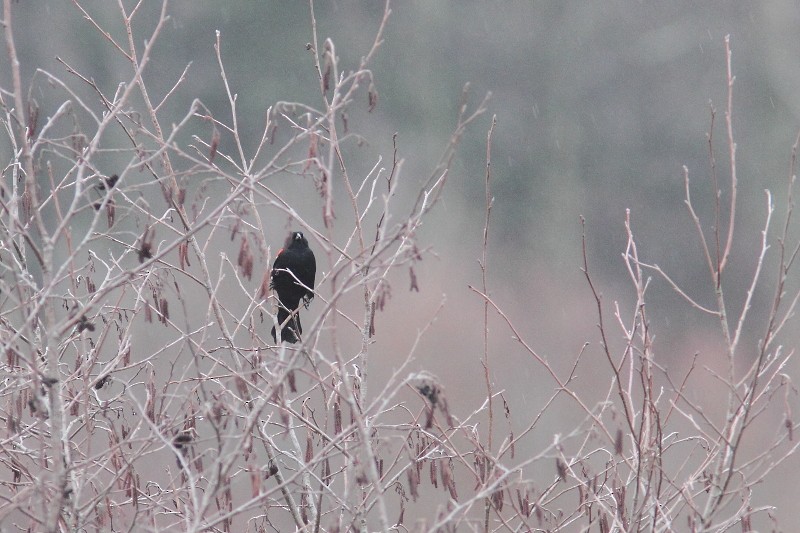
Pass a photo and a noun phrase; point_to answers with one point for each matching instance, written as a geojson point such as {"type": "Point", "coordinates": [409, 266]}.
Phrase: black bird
{"type": "Point", "coordinates": [107, 183]}
{"type": "Point", "coordinates": [292, 279]}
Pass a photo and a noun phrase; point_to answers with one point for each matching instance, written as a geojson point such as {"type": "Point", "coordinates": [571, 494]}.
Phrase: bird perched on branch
{"type": "Point", "coordinates": [292, 279]}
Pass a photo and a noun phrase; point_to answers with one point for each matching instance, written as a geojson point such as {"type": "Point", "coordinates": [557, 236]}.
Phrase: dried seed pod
{"type": "Point", "coordinates": [213, 145]}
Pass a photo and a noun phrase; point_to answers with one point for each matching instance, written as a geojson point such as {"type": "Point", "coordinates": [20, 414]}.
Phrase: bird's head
{"type": "Point", "coordinates": [296, 238]}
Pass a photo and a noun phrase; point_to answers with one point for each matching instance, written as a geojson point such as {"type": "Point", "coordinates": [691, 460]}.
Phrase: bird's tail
{"type": "Point", "coordinates": [291, 331]}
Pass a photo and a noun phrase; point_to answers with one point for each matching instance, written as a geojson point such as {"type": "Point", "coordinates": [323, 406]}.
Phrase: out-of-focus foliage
{"type": "Point", "coordinates": [598, 104]}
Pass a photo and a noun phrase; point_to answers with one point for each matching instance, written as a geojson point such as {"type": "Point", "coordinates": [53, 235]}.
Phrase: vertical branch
{"type": "Point", "coordinates": [648, 438]}
{"type": "Point", "coordinates": [731, 155]}
{"type": "Point", "coordinates": [717, 192]}
{"type": "Point", "coordinates": [489, 200]}
{"type": "Point", "coordinates": [31, 206]}
{"type": "Point", "coordinates": [618, 381]}
{"type": "Point", "coordinates": [19, 106]}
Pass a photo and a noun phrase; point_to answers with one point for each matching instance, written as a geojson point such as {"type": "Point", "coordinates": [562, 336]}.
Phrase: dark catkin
{"type": "Point", "coordinates": [561, 468]}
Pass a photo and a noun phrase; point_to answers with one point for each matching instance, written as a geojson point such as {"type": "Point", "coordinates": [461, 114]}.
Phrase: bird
{"type": "Point", "coordinates": [292, 279]}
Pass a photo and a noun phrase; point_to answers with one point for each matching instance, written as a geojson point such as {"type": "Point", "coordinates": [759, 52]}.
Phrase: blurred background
{"type": "Point", "coordinates": [598, 105]}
